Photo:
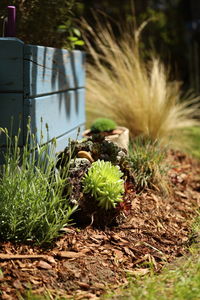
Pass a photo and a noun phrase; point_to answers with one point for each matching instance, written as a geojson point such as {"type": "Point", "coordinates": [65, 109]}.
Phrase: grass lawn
{"type": "Point", "coordinates": [178, 282]}
{"type": "Point", "coordinates": [194, 135]}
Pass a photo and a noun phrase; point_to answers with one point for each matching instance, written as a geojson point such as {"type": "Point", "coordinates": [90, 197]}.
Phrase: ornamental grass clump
{"type": "Point", "coordinates": [32, 205]}
{"type": "Point", "coordinates": [103, 182]}
{"type": "Point", "coordinates": [102, 124]}
{"type": "Point", "coordinates": [147, 161]}
{"type": "Point", "coordinates": [135, 93]}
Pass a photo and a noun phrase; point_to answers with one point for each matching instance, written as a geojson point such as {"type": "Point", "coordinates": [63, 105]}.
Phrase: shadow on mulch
{"type": "Point", "coordinates": [85, 262]}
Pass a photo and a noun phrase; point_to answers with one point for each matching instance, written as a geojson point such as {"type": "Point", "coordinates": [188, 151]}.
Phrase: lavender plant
{"type": "Point", "coordinates": [32, 205]}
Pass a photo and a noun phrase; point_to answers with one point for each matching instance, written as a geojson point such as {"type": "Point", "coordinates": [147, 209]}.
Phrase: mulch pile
{"type": "Point", "coordinates": [85, 262]}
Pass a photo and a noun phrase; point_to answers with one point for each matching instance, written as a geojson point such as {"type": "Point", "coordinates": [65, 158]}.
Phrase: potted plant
{"type": "Point", "coordinates": [110, 130]}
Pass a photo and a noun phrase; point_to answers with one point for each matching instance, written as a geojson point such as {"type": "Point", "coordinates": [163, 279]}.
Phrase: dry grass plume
{"type": "Point", "coordinates": [134, 93]}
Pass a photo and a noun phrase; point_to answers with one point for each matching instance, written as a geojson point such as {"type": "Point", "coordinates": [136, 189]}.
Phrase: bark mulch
{"type": "Point", "coordinates": [85, 262]}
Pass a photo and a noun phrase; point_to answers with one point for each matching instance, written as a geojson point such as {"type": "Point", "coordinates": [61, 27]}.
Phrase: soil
{"type": "Point", "coordinates": [85, 262]}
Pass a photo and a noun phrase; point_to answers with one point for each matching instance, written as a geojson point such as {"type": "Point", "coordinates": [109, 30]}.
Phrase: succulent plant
{"type": "Point", "coordinates": [103, 181]}
{"type": "Point", "coordinates": [103, 124]}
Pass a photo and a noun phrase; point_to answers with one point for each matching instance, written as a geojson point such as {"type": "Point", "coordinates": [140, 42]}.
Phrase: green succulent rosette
{"type": "Point", "coordinates": [103, 181]}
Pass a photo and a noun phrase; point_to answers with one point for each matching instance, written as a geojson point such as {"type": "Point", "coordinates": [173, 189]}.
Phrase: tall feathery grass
{"type": "Point", "coordinates": [135, 93]}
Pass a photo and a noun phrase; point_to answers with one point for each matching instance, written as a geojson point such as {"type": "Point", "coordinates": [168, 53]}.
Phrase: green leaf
{"type": "Point", "coordinates": [72, 39]}
{"type": "Point", "coordinates": [62, 27]}
{"type": "Point", "coordinates": [79, 43]}
{"type": "Point", "coordinates": [77, 32]}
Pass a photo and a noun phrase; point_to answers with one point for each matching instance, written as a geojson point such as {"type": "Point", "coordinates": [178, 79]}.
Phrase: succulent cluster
{"type": "Point", "coordinates": [103, 181]}
{"type": "Point", "coordinates": [102, 124]}
{"type": "Point", "coordinates": [97, 146]}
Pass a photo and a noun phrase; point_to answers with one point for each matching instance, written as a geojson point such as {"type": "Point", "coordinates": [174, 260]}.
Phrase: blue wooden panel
{"type": "Point", "coordinates": [11, 107]}
{"type": "Point", "coordinates": [11, 65]}
{"type": "Point", "coordinates": [62, 112]}
{"type": "Point", "coordinates": [48, 70]}
{"type": "Point", "coordinates": [62, 142]}
{"type": "Point", "coordinates": [45, 83]}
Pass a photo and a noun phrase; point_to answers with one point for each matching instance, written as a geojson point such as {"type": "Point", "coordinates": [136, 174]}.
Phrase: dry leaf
{"type": "Point", "coordinates": [44, 265]}
{"type": "Point", "coordinates": [119, 254]}
{"type": "Point", "coordinates": [50, 259]}
{"type": "Point", "coordinates": [17, 284]}
{"type": "Point", "coordinates": [183, 195]}
{"type": "Point", "coordinates": [138, 272]}
{"type": "Point", "coordinates": [83, 284]}
{"type": "Point", "coordinates": [70, 254]}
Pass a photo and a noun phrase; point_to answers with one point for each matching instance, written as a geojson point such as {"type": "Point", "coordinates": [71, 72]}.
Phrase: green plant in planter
{"type": "Point", "coordinates": [103, 124]}
{"type": "Point", "coordinates": [103, 181]}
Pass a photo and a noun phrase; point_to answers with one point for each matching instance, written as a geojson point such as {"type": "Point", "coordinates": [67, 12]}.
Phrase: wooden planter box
{"type": "Point", "coordinates": [43, 83]}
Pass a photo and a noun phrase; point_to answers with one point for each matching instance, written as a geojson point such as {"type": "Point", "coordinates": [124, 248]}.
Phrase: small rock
{"type": "Point", "coordinates": [78, 163]}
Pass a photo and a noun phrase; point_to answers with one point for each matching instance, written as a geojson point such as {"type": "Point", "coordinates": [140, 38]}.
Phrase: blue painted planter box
{"type": "Point", "coordinates": [43, 83]}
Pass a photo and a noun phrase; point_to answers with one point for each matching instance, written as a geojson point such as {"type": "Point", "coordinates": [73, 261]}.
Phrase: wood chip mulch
{"type": "Point", "coordinates": [85, 262]}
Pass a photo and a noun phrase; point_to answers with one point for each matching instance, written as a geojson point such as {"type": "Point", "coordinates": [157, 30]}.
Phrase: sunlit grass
{"type": "Point", "coordinates": [192, 134]}
{"type": "Point", "coordinates": [180, 282]}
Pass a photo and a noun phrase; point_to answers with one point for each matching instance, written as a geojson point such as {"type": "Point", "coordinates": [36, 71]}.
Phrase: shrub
{"type": "Point", "coordinates": [32, 206]}
{"type": "Point", "coordinates": [135, 93]}
{"type": "Point", "coordinates": [147, 162]}
{"type": "Point", "coordinates": [104, 184]}
{"type": "Point", "coordinates": [103, 124]}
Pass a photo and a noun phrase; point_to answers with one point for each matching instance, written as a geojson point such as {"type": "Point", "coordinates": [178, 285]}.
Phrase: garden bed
{"type": "Point", "coordinates": [86, 262]}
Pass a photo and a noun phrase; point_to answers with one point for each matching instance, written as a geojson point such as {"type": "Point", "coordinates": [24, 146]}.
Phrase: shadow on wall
{"type": "Point", "coordinates": [54, 89]}
{"type": "Point", "coordinates": [54, 71]}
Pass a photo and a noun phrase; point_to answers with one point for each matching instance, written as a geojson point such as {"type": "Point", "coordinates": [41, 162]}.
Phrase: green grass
{"type": "Point", "coordinates": [47, 296]}
{"type": "Point", "coordinates": [178, 283]}
{"type": "Point", "coordinates": [32, 205]}
{"type": "Point", "coordinates": [179, 280]}
{"type": "Point", "coordinates": [193, 136]}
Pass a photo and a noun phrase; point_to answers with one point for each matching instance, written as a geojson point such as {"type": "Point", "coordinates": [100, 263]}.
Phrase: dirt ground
{"type": "Point", "coordinates": [86, 262]}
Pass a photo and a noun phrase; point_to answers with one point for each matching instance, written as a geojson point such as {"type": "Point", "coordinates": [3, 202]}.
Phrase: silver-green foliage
{"type": "Point", "coordinates": [32, 206]}
{"type": "Point", "coordinates": [103, 181]}
{"type": "Point", "coordinates": [147, 161]}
